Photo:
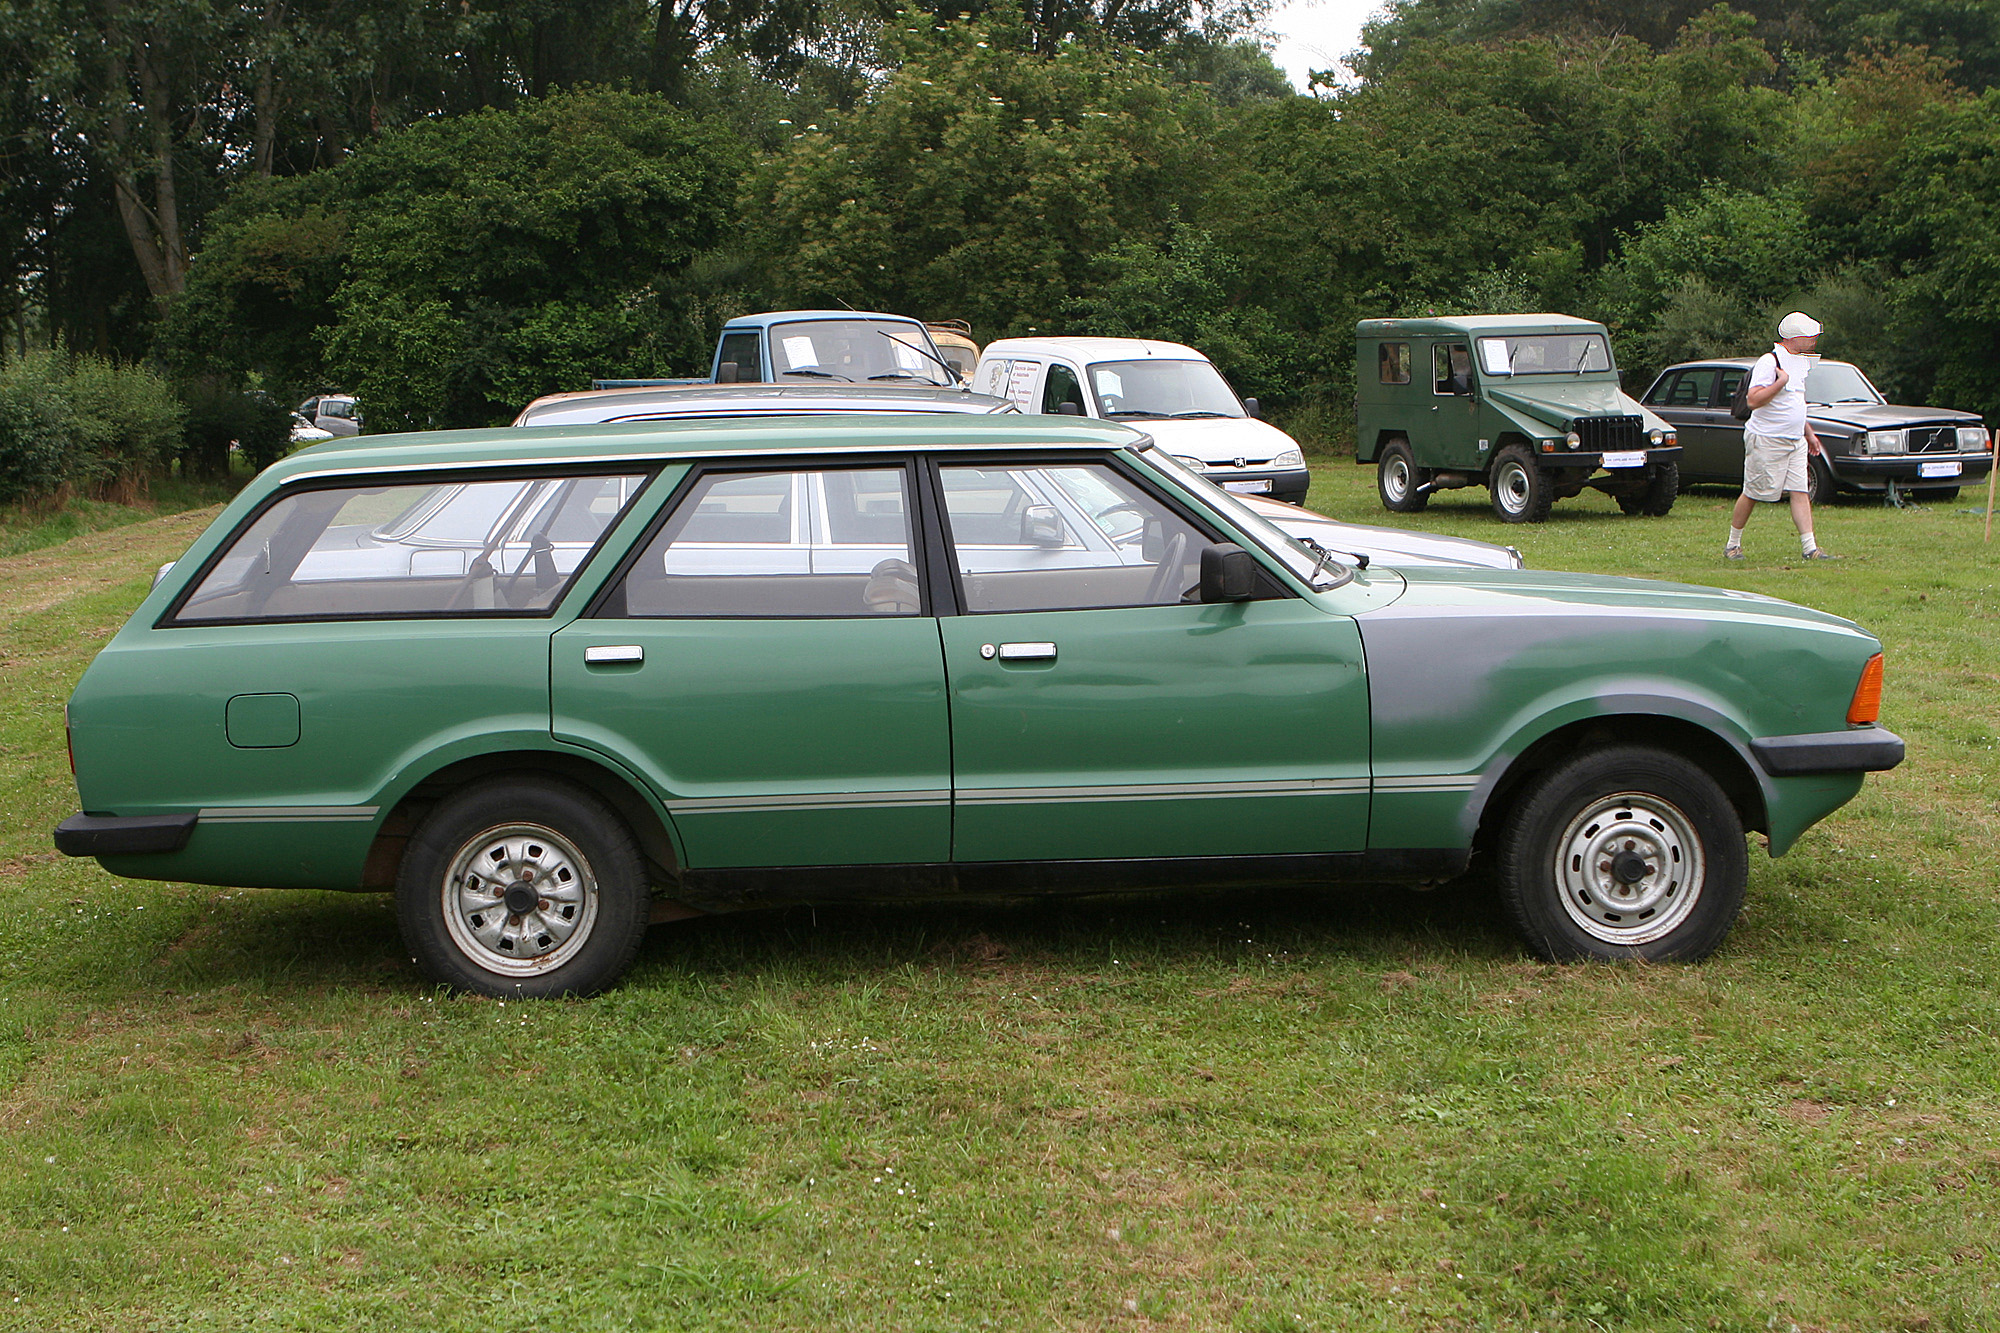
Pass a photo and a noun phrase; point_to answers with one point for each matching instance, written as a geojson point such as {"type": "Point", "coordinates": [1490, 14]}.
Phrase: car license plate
{"type": "Point", "coordinates": [1943, 467]}
{"type": "Point", "coordinates": [1626, 458]}
{"type": "Point", "coordinates": [1248, 487]}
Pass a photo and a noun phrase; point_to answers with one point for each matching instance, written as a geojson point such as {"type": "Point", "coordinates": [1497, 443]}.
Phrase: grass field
{"type": "Point", "coordinates": [1295, 1110]}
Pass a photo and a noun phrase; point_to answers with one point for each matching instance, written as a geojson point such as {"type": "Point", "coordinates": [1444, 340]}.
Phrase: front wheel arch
{"type": "Point", "coordinates": [1691, 741]}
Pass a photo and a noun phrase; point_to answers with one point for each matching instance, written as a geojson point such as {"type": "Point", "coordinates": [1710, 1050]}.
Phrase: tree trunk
{"type": "Point", "coordinates": [266, 97]}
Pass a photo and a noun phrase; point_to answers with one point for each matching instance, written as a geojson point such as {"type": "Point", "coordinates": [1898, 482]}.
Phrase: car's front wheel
{"type": "Point", "coordinates": [529, 887]}
{"type": "Point", "coordinates": [1820, 487]}
{"type": "Point", "coordinates": [1663, 485]}
{"type": "Point", "coordinates": [1624, 853]}
{"type": "Point", "coordinates": [1522, 492]}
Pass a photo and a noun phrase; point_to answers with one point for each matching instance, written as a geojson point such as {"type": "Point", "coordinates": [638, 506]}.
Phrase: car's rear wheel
{"type": "Point", "coordinates": [1522, 492]}
{"type": "Point", "coordinates": [1624, 853]}
{"type": "Point", "coordinates": [529, 887]}
{"type": "Point", "coordinates": [1398, 479]}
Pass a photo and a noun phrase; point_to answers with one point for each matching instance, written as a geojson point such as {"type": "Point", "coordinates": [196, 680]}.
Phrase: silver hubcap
{"type": "Point", "coordinates": [1396, 478]}
{"type": "Point", "coordinates": [519, 899]}
{"type": "Point", "coordinates": [1629, 868]}
{"type": "Point", "coordinates": [1513, 487]}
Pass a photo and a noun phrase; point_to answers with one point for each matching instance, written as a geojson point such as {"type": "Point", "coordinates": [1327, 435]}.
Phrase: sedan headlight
{"type": "Point", "coordinates": [1293, 458]}
{"type": "Point", "coordinates": [1886, 442]}
{"type": "Point", "coordinates": [1192, 464]}
{"type": "Point", "coordinates": [1972, 438]}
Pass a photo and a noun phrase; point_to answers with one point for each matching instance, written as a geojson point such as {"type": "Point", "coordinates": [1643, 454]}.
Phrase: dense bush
{"type": "Point", "coordinates": [82, 424]}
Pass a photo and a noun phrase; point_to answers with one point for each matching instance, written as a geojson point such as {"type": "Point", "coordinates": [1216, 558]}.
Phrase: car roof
{"type": "Point", "coordinates": [1737, 362]}
{"type": "Point", "coordinates": [649, 441]}
{"type": "Point", "coordinates": [715, 400]}
{"type": "Point", "coordinates": [767, 317]}
{"type": "Point", "coordinates": [1468, 324]}
{"type": "Point", "coordinates": [1094, 349]}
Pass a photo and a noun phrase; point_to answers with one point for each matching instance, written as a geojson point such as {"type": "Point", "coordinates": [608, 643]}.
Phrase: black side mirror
{"type": "Point", "coordinates": [1069, 409]}
{"type": "Point", "coordinates": [1228, 574]}
{"type": "Point", "coordinates": [1253, 409]}
{"type": "Point", "coordinates": [725, 373]}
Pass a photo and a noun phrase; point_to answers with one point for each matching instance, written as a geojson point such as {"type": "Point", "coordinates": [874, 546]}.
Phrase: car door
{"type": "Point", "coordinates": [1711, 439]}
{"type": "Point", "coordinates": [1451, 426]}
{"type": "Point", "coordinates": [1095, 714]}
{"type": "Point", "coordinates": [767, 663]}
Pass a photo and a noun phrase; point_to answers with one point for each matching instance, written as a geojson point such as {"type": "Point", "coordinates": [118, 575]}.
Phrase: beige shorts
{"type": "Point", "coordinates": [1773, 465]}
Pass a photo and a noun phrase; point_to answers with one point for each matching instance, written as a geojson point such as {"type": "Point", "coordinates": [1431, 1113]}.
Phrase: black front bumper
{"type": "Point", "coordinates": [134, 835]}
{"type": "Point", "coordinates": [1862, 750]}
{"type": "Point", "coordinates": [1875, 471]}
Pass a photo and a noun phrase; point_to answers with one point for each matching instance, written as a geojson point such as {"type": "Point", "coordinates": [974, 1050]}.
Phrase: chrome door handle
{"type": "Point", "coordinates": [1027, 652]}
{"type": "Point", "coordinates": [614, 655]}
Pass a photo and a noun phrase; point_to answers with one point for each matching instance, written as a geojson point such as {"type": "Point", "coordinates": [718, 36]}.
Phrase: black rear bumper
{"type": "Point", "coordinates": [109, 835]}
{"type": "Point", "coordinates": [1862, 750]}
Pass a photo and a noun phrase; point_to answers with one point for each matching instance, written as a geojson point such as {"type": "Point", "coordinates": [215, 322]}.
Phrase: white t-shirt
{"type": "Point", "coordinates": [1784, 416]}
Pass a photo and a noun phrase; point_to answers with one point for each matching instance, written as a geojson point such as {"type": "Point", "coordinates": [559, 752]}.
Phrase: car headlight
{"type": "Point", "coordinates": [1293, 458]}
{"type": "Point", "coordinates": [1572, 439]}
{"type": "Point", "coordinates": [1886, 442]}
{"type": "Point", "coordinates": [1658, 437]}
{"type": "Point", "coordinates": [1972, 437]}
{"type": "Point", "coordinates": [1191, 464]}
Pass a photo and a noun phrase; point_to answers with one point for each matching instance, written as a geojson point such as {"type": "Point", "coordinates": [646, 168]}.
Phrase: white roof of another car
{"type": "Point", "coordinates": [1094, 349]}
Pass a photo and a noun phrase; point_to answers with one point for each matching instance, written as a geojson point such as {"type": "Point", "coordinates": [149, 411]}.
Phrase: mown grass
{"type": "Point", "coordinates": [1284, 1110]}
{"type": "Point", "coordinates": [34, 527]}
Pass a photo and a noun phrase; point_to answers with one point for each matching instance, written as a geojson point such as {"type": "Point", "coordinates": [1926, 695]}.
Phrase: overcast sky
{"type": "Point", "coordinates": [1317, 34]}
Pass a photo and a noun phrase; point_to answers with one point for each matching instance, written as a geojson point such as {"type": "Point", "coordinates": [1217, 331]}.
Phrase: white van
{"type": "Point", "coordinates": [1171, 392]}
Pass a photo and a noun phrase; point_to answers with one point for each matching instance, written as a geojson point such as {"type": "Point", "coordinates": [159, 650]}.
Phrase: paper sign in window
{"type": "Point", "coordinates": [799, 352]}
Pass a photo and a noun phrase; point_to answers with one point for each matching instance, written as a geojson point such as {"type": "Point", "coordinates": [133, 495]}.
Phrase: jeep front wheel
{"type": "Point", "coordinates": [1522, 492]}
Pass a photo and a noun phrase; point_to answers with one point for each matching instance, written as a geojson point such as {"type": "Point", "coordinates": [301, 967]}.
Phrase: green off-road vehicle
{"type": "Point", "coordinates": [1526, 405]}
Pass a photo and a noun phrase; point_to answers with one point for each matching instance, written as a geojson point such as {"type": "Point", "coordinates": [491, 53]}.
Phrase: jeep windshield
{"type": "Point", "coordinates": [1831, 382]}
{"type": "Point", "coordinates": [1155, 387]}
{"type": "Point", "coordinates": [855, 351]}
{"type": "Point", "coordinates": [1545, 354]}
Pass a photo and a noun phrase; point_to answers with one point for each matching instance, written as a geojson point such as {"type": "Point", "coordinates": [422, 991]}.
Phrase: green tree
{"type": "Point", "coordinates": [979, 181]}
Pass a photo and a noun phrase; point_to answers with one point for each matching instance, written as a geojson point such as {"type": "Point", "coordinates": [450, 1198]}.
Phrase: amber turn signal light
{"type": "Point", "coordinates": [1867, 704]}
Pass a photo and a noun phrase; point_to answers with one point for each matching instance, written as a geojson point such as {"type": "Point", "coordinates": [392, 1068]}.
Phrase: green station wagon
{"type": "Point", "coordinates": [1528, 406]}
{"type": "Point", "coordinates": [550, 686]}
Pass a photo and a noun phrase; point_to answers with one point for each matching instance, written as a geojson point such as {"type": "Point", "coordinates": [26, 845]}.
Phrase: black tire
{"type": "Point", "coordinates": [1522, 492]}
{"type": "Point", "coordinates": [1397, 478]}
{"type": "Point", "coordinates": [1820, 488]}
{"type": "Point", "coordinates": [1625, 853]}
{"type": "Point", "coordinates": [590, 901]}
{"type": "Point", "coordinates": [1656, 500]}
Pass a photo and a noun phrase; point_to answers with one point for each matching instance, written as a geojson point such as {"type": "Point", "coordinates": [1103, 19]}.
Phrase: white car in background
{"type": "Point", "coordinates": [1390, 546]}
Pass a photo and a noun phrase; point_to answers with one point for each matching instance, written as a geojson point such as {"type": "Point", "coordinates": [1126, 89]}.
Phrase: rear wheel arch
{"type": "Point", "coordinates": [653, 832]}
{"type": "Point", "coordinates": [1690, 740]}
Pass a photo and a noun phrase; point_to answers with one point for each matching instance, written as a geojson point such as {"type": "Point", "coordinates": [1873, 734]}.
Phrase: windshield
{"type": "Point", "coordinates": [1545, 354]}
{"type": "Point", "coordinates": [1319, 568]}
{"type": "Point", "coordinates": [1838, 382]}
{"type": "Point", "coordinates": [855, 351]}
{"type": "Point", "coordinates": [1159, 388]}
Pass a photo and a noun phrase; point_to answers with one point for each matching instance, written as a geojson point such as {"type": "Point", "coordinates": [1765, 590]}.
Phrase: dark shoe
{"type": "Point", "coordinates": [1732, 553]}
{"type": "Point", "coordinates": [1817, 554]}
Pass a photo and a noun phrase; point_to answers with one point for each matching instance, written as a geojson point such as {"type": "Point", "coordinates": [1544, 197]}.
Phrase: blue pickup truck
{"type": "Point", "coordinates": [835, 346]}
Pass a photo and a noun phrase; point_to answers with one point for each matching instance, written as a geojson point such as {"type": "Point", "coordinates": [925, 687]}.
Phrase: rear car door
{"type": "Point", "coordinates": [1097, 715]}
{"type": "Point", "coordinates": [767, 662]}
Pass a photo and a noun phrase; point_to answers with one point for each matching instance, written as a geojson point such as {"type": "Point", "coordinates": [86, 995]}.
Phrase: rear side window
{"type": "Point", "coordinates": [830, 543]}
{"type": "Point", "coordinates": [462, 548]}
{"type": "Point", "coordinates": [742, 349]}
{"type": "Point", "coordinates": [1392, 363]}
{"type": "Point", "coordinates": [1692, 389]}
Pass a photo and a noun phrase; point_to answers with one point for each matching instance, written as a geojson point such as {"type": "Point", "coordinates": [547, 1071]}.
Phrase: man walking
{"type": "Point", "coordinates": [1777, 438]}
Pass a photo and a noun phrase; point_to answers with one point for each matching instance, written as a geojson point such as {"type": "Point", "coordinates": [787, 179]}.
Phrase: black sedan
{"type": "Point", "coordinates": [1870, 443]}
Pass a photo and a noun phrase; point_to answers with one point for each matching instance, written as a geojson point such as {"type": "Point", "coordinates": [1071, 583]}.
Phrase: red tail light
{"type": "Point", "coordinates": [1867, 702]}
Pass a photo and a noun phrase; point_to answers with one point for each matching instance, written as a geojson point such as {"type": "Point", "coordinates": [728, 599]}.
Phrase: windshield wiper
{"type": "Point", "coordinates": [1134, 412]}
{"type": "Point", "coordinates": [1191, 416]}
{"type": "Point", "coordinates": [818, 375]}
{"type": "Point", "coordinates": [1587, 350]}
{"type": "Point", "coordinates": [925, 353]}
{"type": "Point", "coordinates": [902, 375]}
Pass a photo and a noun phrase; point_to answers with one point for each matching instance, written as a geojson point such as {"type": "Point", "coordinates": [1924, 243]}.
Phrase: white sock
{"type": "Point", "coordinates": [1806, 543]}
{"type": "Point", "coordinates": [1735, 541]}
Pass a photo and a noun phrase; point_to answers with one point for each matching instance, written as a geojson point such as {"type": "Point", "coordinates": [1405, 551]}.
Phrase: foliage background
{"type": "Point", "coordinates": [451, 210]}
